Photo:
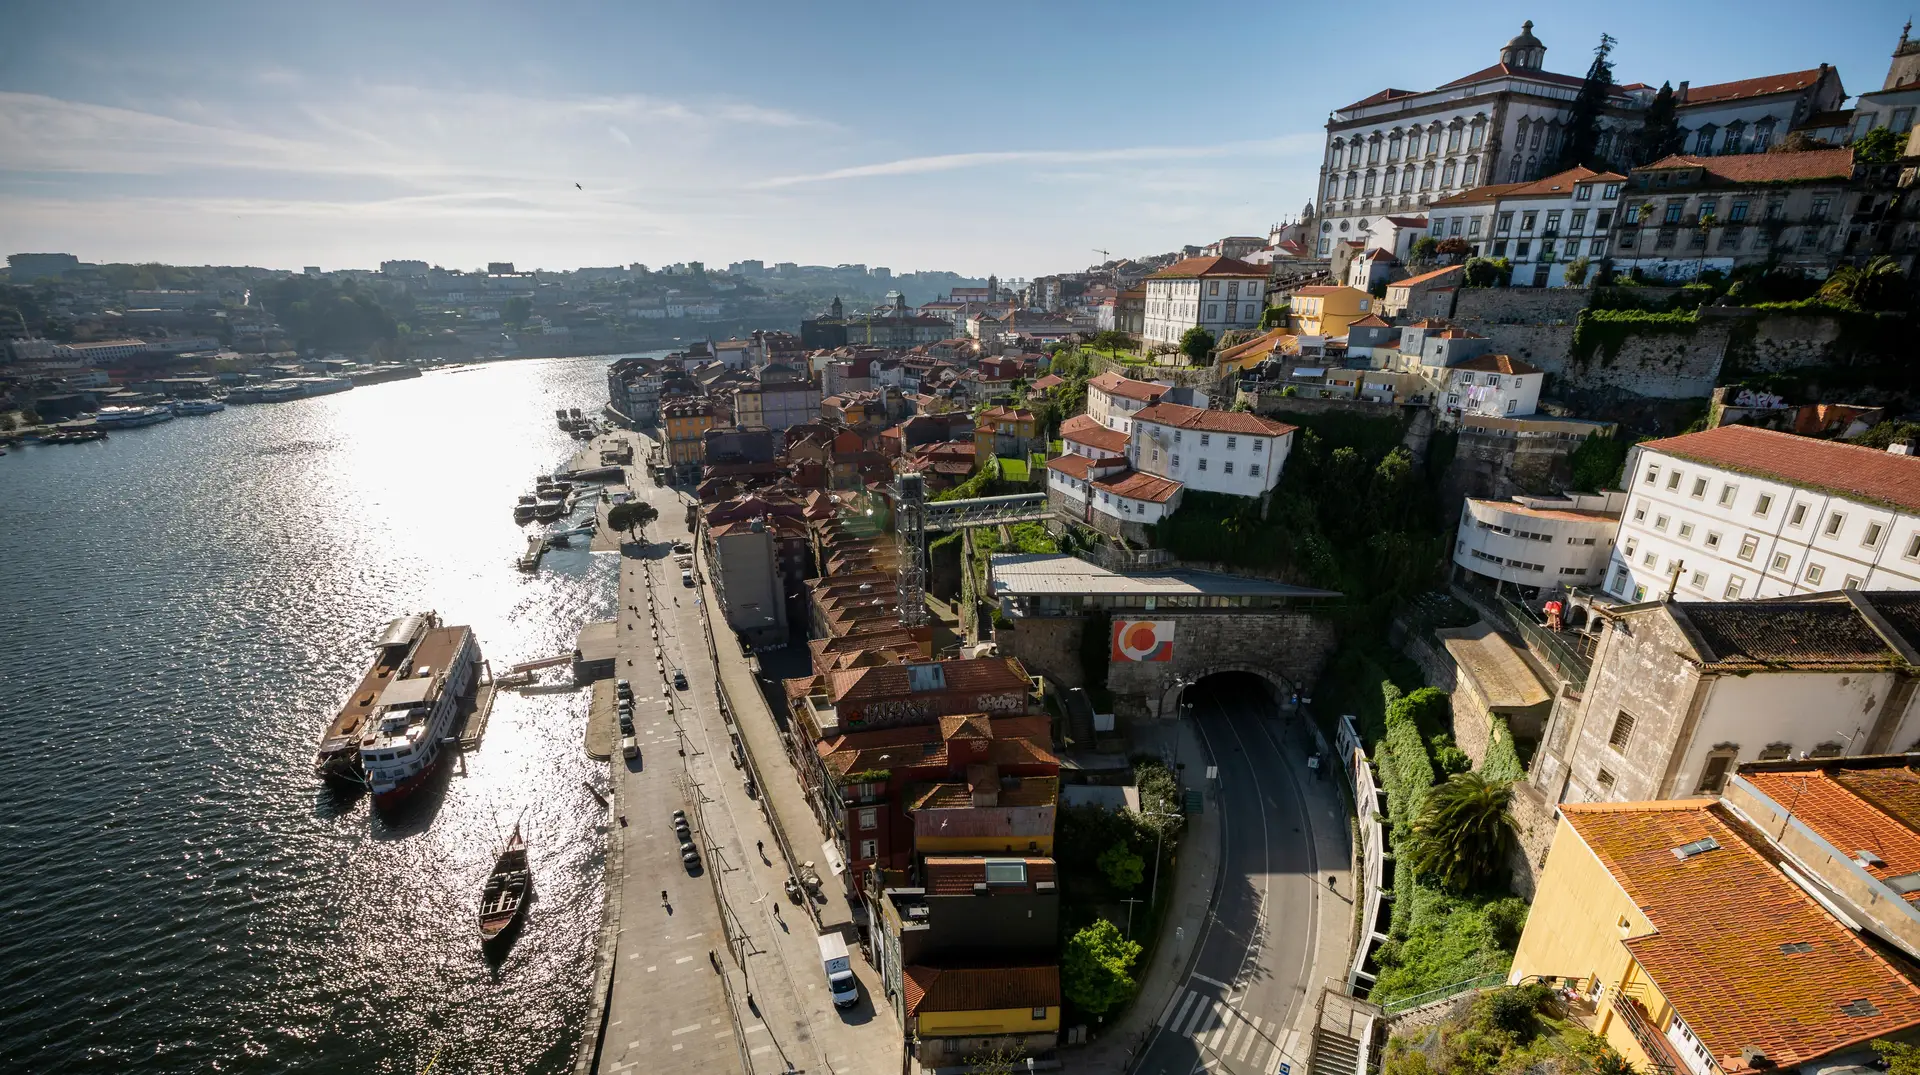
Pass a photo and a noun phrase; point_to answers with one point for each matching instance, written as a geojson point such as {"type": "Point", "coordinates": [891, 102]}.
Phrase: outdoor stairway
{"type": "Point", "coordinates": [1334, 1053]}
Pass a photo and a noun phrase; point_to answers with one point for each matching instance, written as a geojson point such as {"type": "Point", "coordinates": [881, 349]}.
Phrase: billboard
{"type": "Point", "coordinates": [1143, 640]}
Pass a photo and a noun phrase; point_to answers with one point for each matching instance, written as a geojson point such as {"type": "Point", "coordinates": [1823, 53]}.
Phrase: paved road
{"type": "Point", "coordinates": [1239, 1009]}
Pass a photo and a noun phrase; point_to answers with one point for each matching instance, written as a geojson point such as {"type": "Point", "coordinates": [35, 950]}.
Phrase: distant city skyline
{"type": "Point", "coordinates": [1019, 141]}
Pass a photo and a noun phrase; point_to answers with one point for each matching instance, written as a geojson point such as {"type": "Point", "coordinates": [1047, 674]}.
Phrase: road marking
{"type": "Point", "coordinates": [1185, 999]}
{"type": "Point", "coordinates": [758, 1049]}
{"type": "Point", "coordinates": [1209, 1018]}
{"type": "Point", "coordinates": [650, 970]}
{"type": "Point", "coordinates": [1256, 1036]}
{"type": "Point", "coordinates": [686, 1030]}
{"type": "Point", "coordinates": [1209, 981]}
{"type": "Point", "coordinates": [677, 1048]}
{"type": "Point", "coordinates": [1233, 1036]}
{"type": "Point", "coordinates": [756, 1026]}
{"type": "Point", "coordinates": [684, 959]}
{"type": "Point", "coordinates": [1172, 1003]}
{"type": "Point", "coordinates": [724, 1034]}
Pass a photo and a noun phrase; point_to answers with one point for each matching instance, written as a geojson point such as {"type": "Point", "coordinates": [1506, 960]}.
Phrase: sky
{"type": "Point", "coordinates": [1018, 139]}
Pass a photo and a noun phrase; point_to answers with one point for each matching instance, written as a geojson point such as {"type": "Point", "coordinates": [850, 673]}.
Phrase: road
{"type": "Point", "coordinates": [1241, 1007]}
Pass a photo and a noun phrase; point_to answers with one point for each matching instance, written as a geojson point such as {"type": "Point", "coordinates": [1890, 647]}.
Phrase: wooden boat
{"type": "Point", "coordinates": [507, 888]}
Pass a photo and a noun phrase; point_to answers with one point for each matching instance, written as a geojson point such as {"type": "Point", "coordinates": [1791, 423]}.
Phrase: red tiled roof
{"type": "Point", "coordinates": [973, 674]}
{"type": "Point", "coordinates": [1506, 364]}
{"type": "Point", "coordinates": [1843, 816]}
{"type": "Point", "coordinates": [1563, 182]}
{"type": "Point", "coordinates": [1381, 98]}
{"type": "Point", "coordinates": [1488, 194]}
{"type": "Point", "coordinates": [1323, 289]}
{"type": "Point", "coordinates": [955, 875]}
{"type": "Point", "coordinates": [1114, 384]}
{"type": "Point", "coordinates": [1841, 469]}
{"type": "Point", "coordinates": [1048, 381]}
{"type": "Point", "coordinates": [1139, 486]}
{"type": "Point", "coordinates": [979, 989]}
{"type": "Point", "coordinates": [1812, 164]}
{"type": "Point", "coordinates": [1500, 70]}
{"type": "Point", "coordinates": [1181, 417]}
{"type": "Point", "coordinates": [1210, 267]}
{"type": "Point", "coordinates": [1791, 82]}
{"type": "Point", "coordinates": [1720, 918]}
{"type": "Point", "coordinates": [1073, 466]}
{"type": "Point", "coordinates": [1370, 321]}
{"type": "Point", "coordinates": [1423, 278]}
{"type": "Point", "coordinates": [1084, 430]}
{"type": "Point", "coordinates": [1379, 252]}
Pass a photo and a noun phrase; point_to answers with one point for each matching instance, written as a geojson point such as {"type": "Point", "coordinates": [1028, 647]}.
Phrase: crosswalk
{"type": "Point", "coordinates": [1225, 1037]}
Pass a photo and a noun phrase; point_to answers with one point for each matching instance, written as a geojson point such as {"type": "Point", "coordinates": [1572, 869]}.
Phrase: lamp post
{"type": "Point", "coordinates": [1153, 892]}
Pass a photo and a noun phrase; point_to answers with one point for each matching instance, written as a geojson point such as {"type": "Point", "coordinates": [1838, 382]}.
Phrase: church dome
{"type": "Point", "coordinates": [1525, 50]}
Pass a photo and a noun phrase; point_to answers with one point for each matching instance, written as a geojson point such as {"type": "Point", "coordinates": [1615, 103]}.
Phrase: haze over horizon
{"type": "Point", "coordinates": [1014, 140]}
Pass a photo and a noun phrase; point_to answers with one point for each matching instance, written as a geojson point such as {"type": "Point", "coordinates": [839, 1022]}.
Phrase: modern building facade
{"type": "Point", "coordinates": [1538, 542]}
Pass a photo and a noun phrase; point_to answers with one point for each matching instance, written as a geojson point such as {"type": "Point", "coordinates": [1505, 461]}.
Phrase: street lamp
{"type": "Point", "coordinates": [1153, 892]}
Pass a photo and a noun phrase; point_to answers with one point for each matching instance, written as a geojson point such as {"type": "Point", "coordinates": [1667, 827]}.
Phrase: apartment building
{"type": "Point", "coordinates": [1684, 214]}
{"type": "Point", "coordinates": [1229, 452]}
{"type": "Point", "coordinates": [1539, 226]}
{"type": "Point", "coordinates": [1538, 542]}
{"type": "Point", "coordinates": [1740, 512]}
{"type": "Point", "coordinates": [1491, 386]}
{"type": "Point", "coordinates": [1112, 400]}
{"type": "Point", "coordinates": [1217, 294]}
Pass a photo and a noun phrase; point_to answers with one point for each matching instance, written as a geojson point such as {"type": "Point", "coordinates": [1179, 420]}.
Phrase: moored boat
{"type": "Point", "coordinates": [549, 510]}
{"type": "Point", "coordinates": [131, 417]}
{"type": "Point", "coordinates": [339, 755]}
{"type": "Point", "coordinates": [505, 894]}
{"type": "Point", "coordinates": [186, 407]}
{"type": "Point", "coordinates": [524, 509]}
{"type": "Point", "coordinates": [402, 743]}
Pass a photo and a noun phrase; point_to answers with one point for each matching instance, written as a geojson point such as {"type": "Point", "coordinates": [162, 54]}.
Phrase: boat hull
{"type": "Point", "coordinates": [394, 797]}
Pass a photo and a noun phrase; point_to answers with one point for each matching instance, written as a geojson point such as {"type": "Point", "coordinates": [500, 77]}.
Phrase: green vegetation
{"type": "Point", "coordinates": [1878, 146]}
{"type": "Point", "coordinates": [1487, 272]}
{"type": "Point", "coordinates": [1599, 462]}
{"type": "Point", "coordinates": [978, 484]}
{"type": "Point", "coordinates": [515, 311]}
{"type": "Point", "coordinates": [1424, 250]}
{"type": "Point", "coordinates": [1503, 758]}
{"type": "Point", "coordinates": [632, 516]}
{"type": "Point", "coordinates": [1507, 1031]}
{"type": "Point", "coordinates": [1123, 868]}
{"type": "Point", "coordinates": [1660, 130]}
{"type": "Point", "coordinates": [1604, 332]}
{"type": "Point", "coordinates": [1581, 141]}
{"type": "Point", "coordinates": [1196, 343]}
{"type": "Point", "coordinates": [328, 315]}
{"type": "Point", "coordinates": [1013, 469]}
{"type": "Point", "coordinates": [1274, 317]}
{"type": "Point", "coordinates": [1096, 967]}
{"type": "Point", "coordinates": [1463, 835]}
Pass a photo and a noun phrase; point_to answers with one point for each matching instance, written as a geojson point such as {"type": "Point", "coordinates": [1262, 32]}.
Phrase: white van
{"type": "Point", "coordinates": [629, 747]}
{"type": "Point", "coordinates": [839, 969]}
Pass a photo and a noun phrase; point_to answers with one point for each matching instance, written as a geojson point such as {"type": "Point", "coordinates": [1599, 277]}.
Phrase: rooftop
{"type": "Point", "coordinates": [1434, 274]}
{"type": "Point", "coordinates": [955, 875]}
{"type": "Point", "coordinates": [1790, 82]}
{"type": "Point", "coordinates": [1746, 957]}
{"type": "Point", "coordinates": [976, 989]}
{"type": "Point", "coordinates": [1084, 430]}
{"type": "Point", "coordinates": [1114, 384]}
{"type": "Point", "coordinates": [1874, 810]}
{"type": "Point", "coordinates": [1192, 267]}
{"type": "Point", "coordinates": [1848, 470]}
{"type": "Point", "coordinates": [1506, 364]}
{"type": "Point", "coordinates": [1211, 421]}
{"type": "Point", "coordinates": [1843, 629]}
{"type": "Point", "coordinates": [1137, 485]}
{"type": "Point", "coordinates": [1811, 165]}
{"type": "Point", "coordinates": [1025, 574]}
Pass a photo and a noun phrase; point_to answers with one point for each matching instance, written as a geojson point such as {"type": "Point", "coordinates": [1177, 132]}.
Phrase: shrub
{"type": "Point", "coordinates": [1123, 869]}
{"type": "Point", "coordinates": [1095, 967]}
{"type": "Point", "coordinates": [1503, 761]}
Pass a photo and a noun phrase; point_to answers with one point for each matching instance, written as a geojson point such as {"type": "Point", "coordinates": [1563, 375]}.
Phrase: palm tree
{"type": "Point", "coordinates": [1464, 833]}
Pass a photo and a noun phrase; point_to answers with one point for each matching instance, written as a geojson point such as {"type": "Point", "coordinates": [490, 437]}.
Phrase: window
{"type": "Point", "coordinates": [1176, 436]}
{"type": "Point", "coordinates": [1652, 473]}
{"type": "Point", "coordinates": [1673, 481]}
{"type": "Point", "coordinates": [1686, 531]}
{"type": "Point", "coordinates": [1258, 444]}
{"type": "Point", "coordinates": [1578, 222]}
{"type": "Point", "coordinates": [1602, 220]}
{"type": "Point", "coordinates": [1622, 731]}
{"type": "Point", "coordinates": [1583, 192]}
{"type": "Point", "coordinates": [1526, 220]}
{"type": "Point", "coordinates": [1737, 212]}
{"type": "Point", "coordinates": [1213, 310]}
{"type": "Point", "coordinates": [1733, 588]}
{"type": "Point", "coordinates": [1505, 224]}
{"type": "Point", "coordinates": [1854, 582]}
{"type": "Point", "coordinates": [1713, 776]}
{"type": "Point", "coordinates": [1675, 206]}
{"type": "Point", "coordinates": [1748, 546]}
{"type": "Point", "coordinates": [869, 848]}
{"type": "Point", "coordinates": [1232, 443]}
{"type": "Point", "coordinates": [1798, 516]}
{"type": "Point", "coordinates": [1873, 535]}
{"type": "Point", "coordinates": [1522, 247]}
{"type": "Point", "coordinates": [1699, 580]}
{"type": "Point", "coordinates": [1176, 462]}
{"type": "Point", "coordinates": [1610, 192]}
{"type": "Point", "coordinates": [1206, 439]}
{"type": "Point", "coordinates": [1699, 488]}
{"type": "Point", "coordinates": [1203, 464]}
{"type": "Point", "coordinates": [1604, 779]}
{"type": "Point", "coordinates": [1815, 573]}
{"type": "Point", "coordinates": [1913, 547]}
{"type": "Point", "coordinates": [1651, 559]}
{"type": "Point", "coordinates": [1660, 522]}
{"type": "Point", "coordinates": [1776, 751]}
{"type": "Point", "coordinates": [1713, 540]}
{"type": "Point", "coordinates": [869, 817]}
{"type": "Point", "coordinates": [1627, 549]}
{"type": "Point", "coordinates": [1781, 561]}
{"type": "Point", "coordinates": [1253, 471]}
{"type": "Point", "coordinates": [1727, 493]}
{"type": "Point", "coordinates": [1553, 222]}
{"type": "Point", "coordinates": [1040, 1013]}
{"type": "Point", "coordinates": [1818, 214]}
{"type": "Point", "coordinates": [1214, 287]}
{"type": "Point", "coordinates": [1834, 522]}
{"type": "Point", "coordinates": [1764, 504]}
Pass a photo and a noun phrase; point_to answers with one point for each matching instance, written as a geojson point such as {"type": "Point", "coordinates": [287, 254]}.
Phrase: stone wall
{"type": "Point", "coordinates": [1292, 645]}
{"type": "Point", "coordinates": [1499, 467]}
{"type": "Point", "coordinates": [1535, 817]}
{"type": "Point", "coordinates": [1545, 305]}
{"type": "Point", "coordinates": [1048, 646]}
{"type": "Point", "coordinates": [1536, 325]}
{"type": "Point", "coordinates": [1274, 405]}
{"type": "Point", "coordinates": [1073, 510]}
{"type": "Point", "coordinates": [1205, 378]}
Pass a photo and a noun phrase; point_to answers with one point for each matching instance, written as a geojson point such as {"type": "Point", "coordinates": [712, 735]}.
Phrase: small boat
{"type": "Point", "coordinates": [549, 510]}
{"type": "Point", "coordinates": [507, 887]}
{"type": "Point", "coordinates": [187, 407]}
{"type": "Point", "coordinates": [524, 509]}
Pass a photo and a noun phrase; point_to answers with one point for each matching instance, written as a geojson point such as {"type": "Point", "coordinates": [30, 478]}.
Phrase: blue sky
{"type": "Point", "coordinates": [981, 138]}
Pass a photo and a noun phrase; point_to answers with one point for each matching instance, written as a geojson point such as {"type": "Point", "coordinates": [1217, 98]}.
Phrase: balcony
{"type": "Point", "coordinates": [1661, 1057]}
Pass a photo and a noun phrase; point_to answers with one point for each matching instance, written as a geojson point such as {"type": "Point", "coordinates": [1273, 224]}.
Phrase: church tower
{"type": "Point", "coordinates": [836, 312]}
{"type": "Point", "coordinates": [993, 289]}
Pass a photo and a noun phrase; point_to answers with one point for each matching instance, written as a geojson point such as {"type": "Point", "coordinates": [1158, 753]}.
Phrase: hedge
{"type": "Point", "coordinates": [1502, 762]}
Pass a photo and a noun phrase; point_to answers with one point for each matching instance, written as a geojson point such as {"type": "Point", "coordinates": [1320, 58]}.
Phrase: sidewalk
{"type": "Point", "coordinates": [1195, 877]}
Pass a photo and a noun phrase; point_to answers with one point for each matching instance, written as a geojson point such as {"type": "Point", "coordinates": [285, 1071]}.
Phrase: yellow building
{"type": "Point", "coordinates": [961, 1012]}
{"type": "Point", "coordinates": [1695, 952]}
{"type": "Point", "coordinates": [1327, 310]}
{"type": "Point", "coordinates": [685, 425]}
{"type": "Point", "coordinates": [1013, 431]}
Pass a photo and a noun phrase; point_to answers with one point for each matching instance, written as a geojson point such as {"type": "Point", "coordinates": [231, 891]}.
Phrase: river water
{"type": "Point", "coordinates": [182, 609]}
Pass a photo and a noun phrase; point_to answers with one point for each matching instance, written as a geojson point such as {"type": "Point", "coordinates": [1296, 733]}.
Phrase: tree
{"type": "Point", "coordinates": [1453, 246]}
{"type": "Point", "coordinates": [1877, 146]}
{"type": "Point", "coordinates": [1660, 132]}
{"type": "Point", "coordinates": [1486, 272]}
{"type": "Point", "coordinates": [1597, 463]}
{"type": "Point", "coordinates": [631, 516]}
{"type": "Point", "coordinates": [1196, 343]}
{"type": "Point", "coordinates": [1123, 868]}
{"type": "Point", "coordinates": [516, 310]}
{"type": "Point", "coordinates": [1580, 143]}
{"type": "Point", "coordinates": [1900, 1058]}
{"type": "Point", "coordinates": [1424, 249]}
{"type": "Point", "coordinates": [1878, 285]}
{"type": "Point", "coordinates": [1464, 833]}
{"type": "Point", "coordinates": [1111, 341]}
{"type": "Point", "coordinates": [1095, 967]}
{"type": "Point", "coordinates": [1577, 270]}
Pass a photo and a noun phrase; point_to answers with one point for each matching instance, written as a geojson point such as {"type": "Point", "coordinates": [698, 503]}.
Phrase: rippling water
{"type": "Point", "coordinates": [182, 608]}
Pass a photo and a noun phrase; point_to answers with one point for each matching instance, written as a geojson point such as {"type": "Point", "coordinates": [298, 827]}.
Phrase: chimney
{"type": "Point", "coordinates": [1680, 92]}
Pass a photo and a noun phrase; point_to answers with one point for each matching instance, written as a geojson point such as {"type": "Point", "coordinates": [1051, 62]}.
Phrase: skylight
{"type": "Point", "coordinates": [1687, 851]}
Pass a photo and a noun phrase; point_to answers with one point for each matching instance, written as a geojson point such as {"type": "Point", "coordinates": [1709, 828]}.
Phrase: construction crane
{"type": "Point", "coordinates": [1105, 255]}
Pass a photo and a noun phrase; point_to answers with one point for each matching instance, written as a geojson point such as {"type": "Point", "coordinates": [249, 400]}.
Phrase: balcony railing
{"type": "Point", "coordinates": [1661, 1058]}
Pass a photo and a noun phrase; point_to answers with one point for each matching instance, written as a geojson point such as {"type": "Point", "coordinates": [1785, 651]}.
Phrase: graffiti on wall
{"type": "Point", "coordinates": [1143, 640]}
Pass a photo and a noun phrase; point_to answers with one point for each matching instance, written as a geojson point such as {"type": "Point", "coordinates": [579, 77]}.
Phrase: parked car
{"type": "Point", "coordinates": [679, 680]}
{"type": "Point", "coordinates": [629, 748]}
{"type": "Point", "coordinates": [681, 546]}
{"type": "Point", "coordinates": [686, 576]}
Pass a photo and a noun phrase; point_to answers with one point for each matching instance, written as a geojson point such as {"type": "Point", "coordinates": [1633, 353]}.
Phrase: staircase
{"type": "Point", "coordinates": [1344, 1035]}
{"type": "Point", "coordinates": [1334, 1053]}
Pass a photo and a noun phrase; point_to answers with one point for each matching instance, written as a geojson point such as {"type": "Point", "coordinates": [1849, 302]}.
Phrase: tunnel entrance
{"type": "Point", "coordinates": [1242, 685]}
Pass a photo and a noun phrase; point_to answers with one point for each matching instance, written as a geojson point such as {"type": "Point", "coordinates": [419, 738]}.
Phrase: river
{"type": "Point", "coordinates": [182, 609]}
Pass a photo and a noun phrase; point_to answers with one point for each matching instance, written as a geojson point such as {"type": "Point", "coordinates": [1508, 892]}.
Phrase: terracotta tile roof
{"type": "Point", "coordinates": [1791, 82]}
{"type": "Point", "coordinates": [979, 989]}
{"type": "Point", "coordinates": [1114, 384]}
{"type": "Point", "coordinates": [1370, 321]}
{"type": "Point", "coordinates": [1027, 791]}
{"type": "Point", "coordinates": [955, 875]}
{"type": "Point", "coordinates": [1381, 98]}
{"type": "Point", "coordinates": [1720, 918]}
{"type": "Point", "coordinates": [1262, 342]}
{"type": "Point", "coordinates": [1894, 791]}
{"type": "Point", "coordinates": [966, 675]}
{"type": "Point", "coordinates": [1379, 252]}
{"type": "Point", "coordinates": [1826, 801]}
{"type": "Point", "coordinates": [1135, 485]}
{"type": "Point", "coordinates": [1081, 429]}
{"type": "Point", "coordinates": [1506, 364]}
{"type": "Point", "coordinates": [1190, 267]}
{"type": "Point", "coordinates": [1318, 290]}
{"type": "Point", "coordinates": [1182, 417]}
{"type": "Point", "coordinates": [1563, 182]}
{"type": "Point", "coordinates": [1809, 166]}
{"type": "Point", "coordinates": [1047, 381]}
{"type": "Point", "coordinates": [1846, 470]}
{"type": "Point", "coordinates": [1408, 221]}
{"type": "Point", "coordinates": [1501, 70]}
{"type": "Point", "coordinates": [1079, 467]}
{"type": "Point", "coordinates": [1433, 274]}
{"type": "Point", "coordinates": [1486, 195]}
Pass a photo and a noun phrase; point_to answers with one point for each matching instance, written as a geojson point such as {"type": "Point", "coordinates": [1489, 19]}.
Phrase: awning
{"type": "Point", "coordinates": [830, 854]}
{"type": "Point", "coordinates": [1309, 371]}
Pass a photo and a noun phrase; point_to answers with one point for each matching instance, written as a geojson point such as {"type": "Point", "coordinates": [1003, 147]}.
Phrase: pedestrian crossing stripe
{"type": "Point", "coordinates": [1222, 1031]}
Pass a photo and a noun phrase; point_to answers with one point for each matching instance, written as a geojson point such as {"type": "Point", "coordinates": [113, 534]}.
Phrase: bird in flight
{"type": "Point", "coordinates": [577, 186]}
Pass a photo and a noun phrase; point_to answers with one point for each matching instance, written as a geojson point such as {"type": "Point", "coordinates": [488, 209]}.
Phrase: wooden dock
{"type": "Point", "coordinates": [473, 723]}
{"type": "Point", "coordinates": [536, 548]}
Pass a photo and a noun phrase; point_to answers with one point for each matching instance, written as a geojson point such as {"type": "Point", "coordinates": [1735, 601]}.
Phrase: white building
{"type": "Point", "coordinates": [1894, 103]}
{"type": "Point", "coordinates": [1751, 115]}
{"type": "Point", "coordinates": [1105, 493]}
{"type": "Point", "coordinates": [1113, 400]}
{"type": "Point", "coordinates": [1397, 151]}
{"type": "Point", "coordinates": [1494, 386]}
{"type": "Point", "coordinates": [1217, 294]}
{"type": "Point", "coordinates": [1213, 451]}
{"type": "Point", "coordinates": [1739, 512]}
{"type": "Point", "coordinates": [1539, 226]}
{"type": "Point", "coordinates": [1539, 541]}
{"type": "Point", "coordinates": [1082, 436]}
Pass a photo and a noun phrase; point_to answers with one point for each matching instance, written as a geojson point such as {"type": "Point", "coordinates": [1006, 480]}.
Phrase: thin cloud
{"type": "Point", "coordinates": [949, 162]}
